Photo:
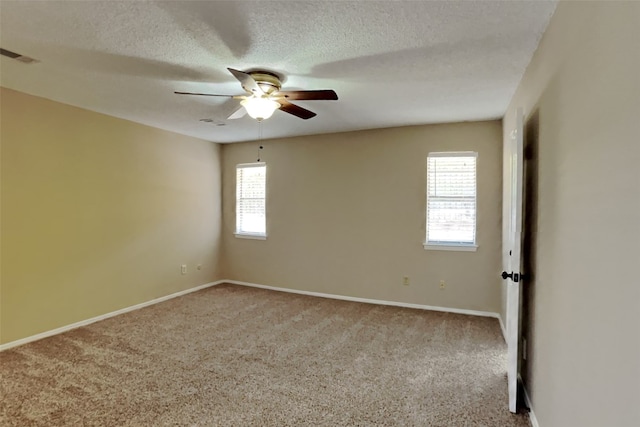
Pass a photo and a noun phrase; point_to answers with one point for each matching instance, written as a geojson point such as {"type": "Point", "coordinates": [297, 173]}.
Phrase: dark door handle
{"type": "Point", "coordinates": [513, 276]}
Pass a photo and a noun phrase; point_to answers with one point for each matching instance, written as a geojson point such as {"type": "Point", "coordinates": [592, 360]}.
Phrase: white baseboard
{"type": "Point", "coordinates": [504, 330]}
{"type": "Point", "coordinates": [370, 301]}
{"type": "Point", "coordinates": [254, 285]}
{"type": "Point", "coordinates": [104, 316]}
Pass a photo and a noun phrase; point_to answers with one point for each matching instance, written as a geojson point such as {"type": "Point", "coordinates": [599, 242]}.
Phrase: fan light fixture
{"type": "Point", "coordinates": [260, 108]}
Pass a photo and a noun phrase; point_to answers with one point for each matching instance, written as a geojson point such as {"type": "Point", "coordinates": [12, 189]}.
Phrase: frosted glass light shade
{"type": "Point", "coordinates": [260, 108]}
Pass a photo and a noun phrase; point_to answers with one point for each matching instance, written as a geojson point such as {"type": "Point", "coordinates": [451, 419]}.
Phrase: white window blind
{"type": "Point", "coordinates": [451, 199]}
{"type": "Point", "coordinates": [251, 180]}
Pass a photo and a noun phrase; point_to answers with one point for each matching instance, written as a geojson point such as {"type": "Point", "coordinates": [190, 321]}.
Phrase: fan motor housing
{"type": "Point", "coordinates": [268, 82]}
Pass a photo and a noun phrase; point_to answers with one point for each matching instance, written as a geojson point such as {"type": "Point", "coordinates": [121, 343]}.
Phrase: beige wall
{"type": "Point", "coordinates": [584, 343]}
{"type": "Point", "coordinates": [98, 214]}
{"type": "Point", "coordinates": [346, 213]}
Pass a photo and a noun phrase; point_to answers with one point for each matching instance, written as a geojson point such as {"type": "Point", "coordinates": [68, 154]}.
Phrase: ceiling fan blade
{"type": "Point", "coordinates": [231, 110]}
{"type": "Point", "coordinates": [203, 94]}
{"type": "Point", "coordinates": [239, 113]}
{"type": "Point", "coordinates": [290, 108]}
{"type": "Point", "coordinates": [248, 83]}
{"type": "Point", "coordinates": [310, 95]}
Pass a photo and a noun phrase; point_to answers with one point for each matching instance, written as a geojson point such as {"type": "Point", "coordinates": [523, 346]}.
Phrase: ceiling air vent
{"type": "Point", "coordinates": [17, 56]}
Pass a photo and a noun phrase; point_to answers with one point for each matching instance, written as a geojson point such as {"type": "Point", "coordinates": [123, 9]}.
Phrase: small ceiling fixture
{"type": "Point", "coordinates": [17, 56]}
{"type": "Point", "coordinates": [260, 108]}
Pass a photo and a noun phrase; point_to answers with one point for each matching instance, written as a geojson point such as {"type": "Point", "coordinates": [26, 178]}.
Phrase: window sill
{"type": "Point", "coordinates": [250, 236]}
{"type": "Point", "coordinates": [451, 247]}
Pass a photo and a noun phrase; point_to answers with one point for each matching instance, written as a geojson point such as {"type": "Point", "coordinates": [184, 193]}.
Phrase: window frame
{"type": "Point", "coordinates": [451, 246]}
{"type": "Point", "coordinates": [244, 234]}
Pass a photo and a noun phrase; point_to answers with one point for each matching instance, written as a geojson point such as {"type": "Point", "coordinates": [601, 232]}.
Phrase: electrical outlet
{"type": "Point", "coordinates": [405, 280]}
{"type": "Point", "coordinates": [442, 284]}
{"type": "Point", "coordinates": [183, 269]}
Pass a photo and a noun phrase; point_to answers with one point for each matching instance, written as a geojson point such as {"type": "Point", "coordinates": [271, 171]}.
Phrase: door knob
{"type": "Point", "coordinates": [513, 276]}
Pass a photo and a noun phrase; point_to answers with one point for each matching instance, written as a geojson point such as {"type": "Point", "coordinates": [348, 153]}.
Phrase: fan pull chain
{"type": "Point", "coordinates": [259, 138]}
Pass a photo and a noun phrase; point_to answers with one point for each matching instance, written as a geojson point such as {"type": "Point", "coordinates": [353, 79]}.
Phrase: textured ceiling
{"type": "Point", "coordinates": [392, 63]}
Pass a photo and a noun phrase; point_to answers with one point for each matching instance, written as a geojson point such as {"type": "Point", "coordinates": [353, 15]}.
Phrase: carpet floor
{"type": "Point", "coordinates": [237, 356]}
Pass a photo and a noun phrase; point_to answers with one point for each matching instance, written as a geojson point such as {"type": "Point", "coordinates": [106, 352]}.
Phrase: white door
{"type": "Point", "coordinates": [512, 269]}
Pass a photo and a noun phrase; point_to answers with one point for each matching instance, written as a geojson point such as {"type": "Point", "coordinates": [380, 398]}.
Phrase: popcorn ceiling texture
{"type": "Point", "coordinates": [392, 63]}
{"type": "Point", "coordinates": [231, 355]}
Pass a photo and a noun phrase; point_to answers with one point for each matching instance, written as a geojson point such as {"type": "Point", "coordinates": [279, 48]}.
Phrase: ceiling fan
{"type": "Point", "coordinates": [264, 96]}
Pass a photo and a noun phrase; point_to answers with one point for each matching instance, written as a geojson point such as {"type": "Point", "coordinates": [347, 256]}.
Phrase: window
{"type": "Point", "coordinates": [451, 201]}
{"type": "Point", "coordinates": [251, 179]}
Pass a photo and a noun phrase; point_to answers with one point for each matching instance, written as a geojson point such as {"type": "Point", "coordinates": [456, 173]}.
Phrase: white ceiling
{"type": "Point", "coordinates": [392, 63]}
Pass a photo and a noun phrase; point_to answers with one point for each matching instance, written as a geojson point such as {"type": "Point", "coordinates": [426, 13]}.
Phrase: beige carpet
{"type": "Point", "coordinates": [236, 356]}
